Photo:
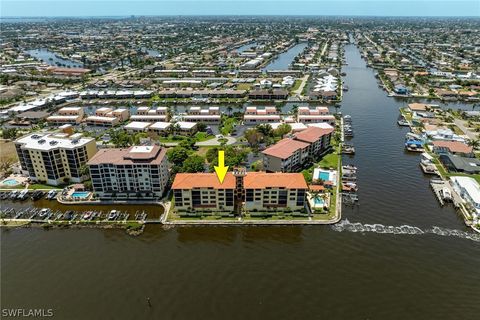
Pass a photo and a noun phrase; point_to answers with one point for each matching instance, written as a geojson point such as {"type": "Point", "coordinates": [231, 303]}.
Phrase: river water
{"type": "Point", "coordinates": [311, 272]}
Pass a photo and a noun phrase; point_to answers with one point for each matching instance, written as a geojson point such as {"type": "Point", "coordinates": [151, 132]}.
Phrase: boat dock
{"type": "Point", "coordinates": [437, 186]}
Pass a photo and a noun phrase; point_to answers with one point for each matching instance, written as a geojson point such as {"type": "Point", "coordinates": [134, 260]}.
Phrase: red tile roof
{"type": "Point", "coordinates": [453, 146]}
{"type": "Point", "coordinates": [202, 180]}
{"type": "Point", "coordinates": [285, 148]}
{"type": "Point", "coordinates": [253, 180]}
{"type": "Point", "coordinates": [262, 180]}
{"type": "Point", "coordinates": [312, 134]}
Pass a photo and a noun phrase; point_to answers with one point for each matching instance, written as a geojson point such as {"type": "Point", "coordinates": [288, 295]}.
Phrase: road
{"type": "Point", "coordinates": [462, 125]}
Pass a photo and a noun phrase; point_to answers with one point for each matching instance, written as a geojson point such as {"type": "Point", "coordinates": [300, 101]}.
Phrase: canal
{"type": "Point", "coordinates": [285, 59]}
{"type": "Point", "coordinates": [309, 272]}
{"type": "Point", "coordinates": [52, 59]}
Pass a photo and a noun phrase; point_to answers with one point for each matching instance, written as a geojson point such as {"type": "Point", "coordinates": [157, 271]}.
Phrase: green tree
{"type": "Point", "coordinates": [253, 137]}
{"type": "Point", "coordinates": [177, 155]}
{"type": "Point", "coordinates": [9, 133]}
{"type": "Point", "coordinates": [84, 171]}
{"type": "Point", "coordinates": [194, 163]}
{"type": "Point", "coordinates": [282, 130]}
{"type": "Point", "coordinates": [265, 129]}
{"type": "Point", "coordinates": [201, 126]}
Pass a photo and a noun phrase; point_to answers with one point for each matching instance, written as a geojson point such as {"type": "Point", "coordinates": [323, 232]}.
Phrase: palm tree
{"type": "Point", "coordinates": [474, 143]}
{"type": "Point", "coordinates": [336, 106]}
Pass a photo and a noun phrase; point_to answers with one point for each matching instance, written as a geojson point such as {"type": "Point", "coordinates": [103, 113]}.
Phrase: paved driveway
{"type": "Point", "coordinates": [215, 142]}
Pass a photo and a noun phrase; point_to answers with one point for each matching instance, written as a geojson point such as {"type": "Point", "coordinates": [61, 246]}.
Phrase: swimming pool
{"type": "Point", "coordinates": [325, 176]}
{"type": "Point", "coordinates": [10, 182]}
{"type": "Point", "coordinates": [80, 194]}
{"type": "Point", "coordinates": [319, 201]}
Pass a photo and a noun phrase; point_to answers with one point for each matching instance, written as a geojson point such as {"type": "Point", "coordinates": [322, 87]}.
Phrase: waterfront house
{"type": "Point", "coordinates": [453, 147]}
{"type": "Point", "coordinates": [454, 163]}
{"type": "Point", "coordinates": [138, 172]}
{"type": "Point", "coordinates": [400, 89]}
{"type": "Point", "coordinates": [468, 189]}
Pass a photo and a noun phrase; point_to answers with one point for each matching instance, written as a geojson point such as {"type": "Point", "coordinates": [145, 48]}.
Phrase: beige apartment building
{"type": "Point", "coordinates": [138, 172]}
{"type": "Point", "coordinates": [54, 158]}
{"type": "Point", "coordinates": [67, 115]}
{"type": "Point", "coordinates": [253, 191]}
{"type": "Point", "coordinates": [290, 154]}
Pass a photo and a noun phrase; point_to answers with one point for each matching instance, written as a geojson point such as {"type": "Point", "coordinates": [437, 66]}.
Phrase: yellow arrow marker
{"type": "Point", "coordinates": [221, 170]}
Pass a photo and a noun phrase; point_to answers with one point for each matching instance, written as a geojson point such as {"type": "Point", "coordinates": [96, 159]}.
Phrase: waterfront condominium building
{"type": "Point", "coordinates": [137, 172]}
{"type": "Point", "coordinates": [257, 191]}
{"type": "Point", "coordinates": [54, 158]}
{"type": "Point", "coordinates": [291, 154]}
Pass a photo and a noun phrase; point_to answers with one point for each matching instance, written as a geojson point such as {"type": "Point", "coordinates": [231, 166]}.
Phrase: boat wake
{"type": "Point", "coordinates": [346, 225]}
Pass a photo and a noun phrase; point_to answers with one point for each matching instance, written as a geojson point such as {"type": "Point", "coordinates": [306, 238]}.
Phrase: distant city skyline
{"type": "Point", "coordinates": [79, 8]}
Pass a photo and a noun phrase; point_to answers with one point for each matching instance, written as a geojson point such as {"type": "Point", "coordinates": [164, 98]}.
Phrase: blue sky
{"type": "Point", "coordinates": [32, 8]}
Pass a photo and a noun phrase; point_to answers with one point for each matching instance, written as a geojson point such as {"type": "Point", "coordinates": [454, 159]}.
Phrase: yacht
{"type": "Point", "coordinates": [23, 194]}
{"type": "Point", "coordinates": [113, 215]}
{"type": "Point", "coordinates": [14, 194]}
{"type": "Point", "coordinates": [51, 195]}
{"type": "Point", "coordinates": [446, 194]}
{"type": "Point", "coordinates": [43, 213]}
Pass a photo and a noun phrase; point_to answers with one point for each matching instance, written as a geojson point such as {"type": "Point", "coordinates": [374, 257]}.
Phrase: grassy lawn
{"type": "Point", "coordinates": [35, 186]}
{"type": "Point", "coordinates": [43, 186]}
{"type": "Point", "coordinates": [171, 138]}
{"type": "Point", "coordinates": [456, 129]}
{"type": "Point", "coordinates": [228, 125]}
{"type": "Point", "coordinates": [244, 86]}
{"type": "Point", "coordinates": [203, 136]}
{"type": "Point", "coordinates": [296, 85]}
{"type": "Point", "coordinates": [330, 161]}
{"type": "Point", "coordinates": [7, 151]}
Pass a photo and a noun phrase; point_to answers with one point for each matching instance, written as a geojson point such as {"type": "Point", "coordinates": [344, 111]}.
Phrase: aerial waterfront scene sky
{"type": "Point", "coordinates": [29, 8]}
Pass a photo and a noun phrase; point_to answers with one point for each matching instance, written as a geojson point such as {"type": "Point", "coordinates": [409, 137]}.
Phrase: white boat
{"type": "Point", "coordinates": [44, 212]}
{"type": "Point", "coordinates": [23, 194]}
{"type": "Point", "coordinates": [51, 194]}
{"type": "Point", "coordinates": [446, 194]}
{"type": "Point", "coordinates": [113, 215]}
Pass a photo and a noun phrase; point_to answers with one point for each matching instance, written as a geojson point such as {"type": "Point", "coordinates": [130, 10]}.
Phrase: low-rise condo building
{"type": "Point", "coordinates": [67, 115]}
{"type": "Point", "coordinates": [54, 158]}
{"type": "Point", "coordinates": [287, 155]}
{"type": "Point", "coordinates": [108, 117]}
{"type": "Point", "coordinates": [254, 191]}
{"type": "Point", "coordinates": [291, 154]}
{"type": "Point", "coordinates": [197, 114]}
{"type": "Point", "coordinates": [138, 172]}
{"type": "Point", "coordinates": [253, 115]}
